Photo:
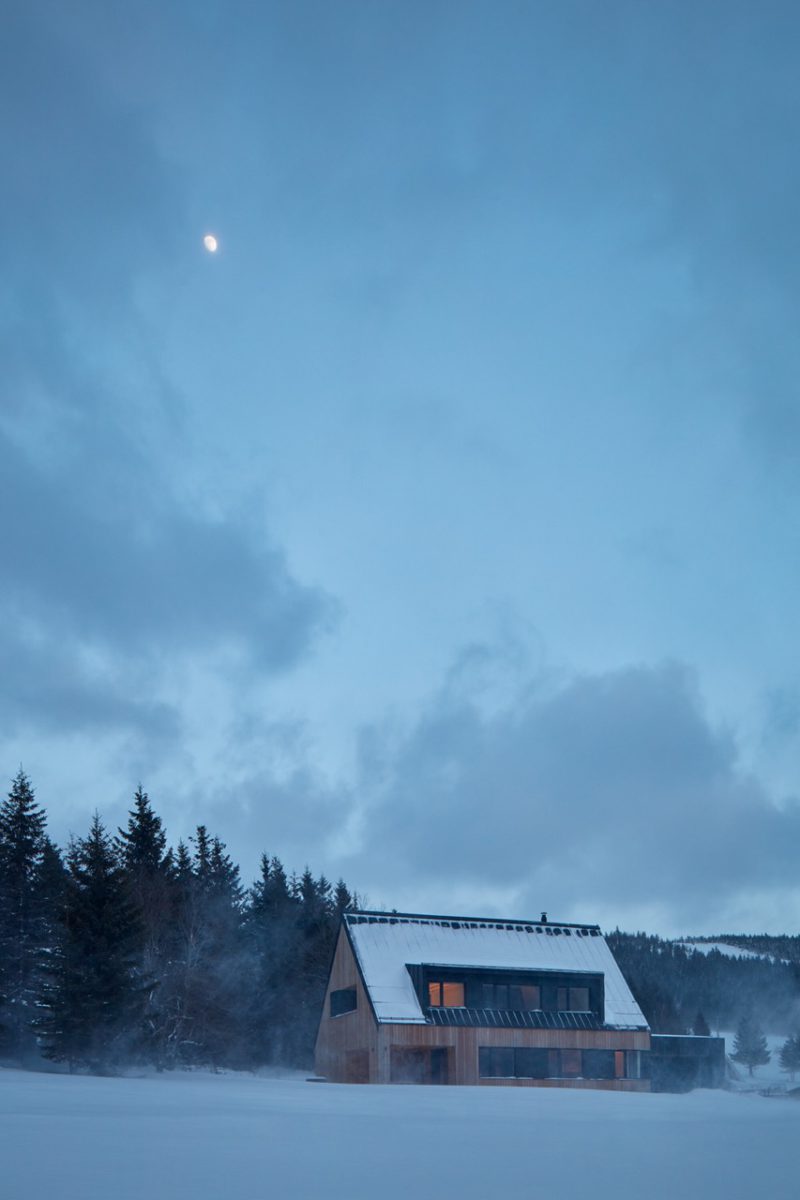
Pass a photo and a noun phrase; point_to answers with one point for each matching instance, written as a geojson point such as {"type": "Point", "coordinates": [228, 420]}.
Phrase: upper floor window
{"type": "Point", "coordinates": [343, 1000]}
{"type": "Point", "coordinates": [503, 995]}
{"type": "Point", "coordinates": [573, 999]}
{"type": "Point", "coordinates": [446, 995]}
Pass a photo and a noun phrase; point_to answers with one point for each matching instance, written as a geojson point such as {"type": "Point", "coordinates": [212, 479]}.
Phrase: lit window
{"type": "Point", "coordinates": [446, 995]}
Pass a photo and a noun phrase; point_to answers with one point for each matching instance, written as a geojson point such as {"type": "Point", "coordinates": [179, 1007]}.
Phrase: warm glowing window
{"type": "Point", "coordinates": [446, 995]}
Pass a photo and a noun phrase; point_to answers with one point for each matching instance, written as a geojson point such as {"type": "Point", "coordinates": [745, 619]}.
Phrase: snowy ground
{"type": "Point", "coordinates": [239, 1137]}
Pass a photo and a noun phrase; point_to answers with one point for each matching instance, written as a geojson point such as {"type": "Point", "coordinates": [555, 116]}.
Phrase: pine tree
{"type": "Point", "coordinates": [93, 999]}
{"type": "Point", "coordinates": [22, 840]}
{"type": "Point", "coordinates": [790, 1056]}
{"type": "Point", "coordinates": [750, 1045]}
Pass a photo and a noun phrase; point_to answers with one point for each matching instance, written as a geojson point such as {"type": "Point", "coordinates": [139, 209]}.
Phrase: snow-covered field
{"type": "Point", "coordinates": [239, 1137]}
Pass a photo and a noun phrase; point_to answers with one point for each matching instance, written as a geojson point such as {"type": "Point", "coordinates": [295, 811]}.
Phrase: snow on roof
{"type": "Point", "coordinates": [386, 943]}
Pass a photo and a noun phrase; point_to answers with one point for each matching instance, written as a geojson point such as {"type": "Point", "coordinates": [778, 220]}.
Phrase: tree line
{"type": "Point", "coordinates": [675, 985]}
{"type": "Point", "coordinates": [123, 950]}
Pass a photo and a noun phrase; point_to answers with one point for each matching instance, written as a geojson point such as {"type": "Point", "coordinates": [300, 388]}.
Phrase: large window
{"type": "Point", "coordinates": [519, 997]}
{"type": "Point", "coordinates": [515, 1062]}
{"type": "Point", "coordinates": [446, 995]}
{"type": "Point", "coordinates": [598, 1064]}
{"type": "Point", "coordinates": [343, 1000]}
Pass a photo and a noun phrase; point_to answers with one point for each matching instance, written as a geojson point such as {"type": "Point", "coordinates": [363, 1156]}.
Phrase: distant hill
{"type": "Point", "coordinates": [720, 977]}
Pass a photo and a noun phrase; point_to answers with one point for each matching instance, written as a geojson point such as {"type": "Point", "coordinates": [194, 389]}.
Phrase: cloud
{"type": "Point", "coordinates": [107, 556]}
{"type": "Point", "coordinates": [610, 789]}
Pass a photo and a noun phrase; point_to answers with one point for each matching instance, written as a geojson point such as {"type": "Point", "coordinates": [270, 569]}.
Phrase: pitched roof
{"type": "Point", "coordinates": [386, 943]}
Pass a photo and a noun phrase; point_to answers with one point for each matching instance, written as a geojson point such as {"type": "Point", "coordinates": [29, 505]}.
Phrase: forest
{"type": "Point", "coordinates": [123, 950]}
{"type": "Point", "coordinates": [681, 990]}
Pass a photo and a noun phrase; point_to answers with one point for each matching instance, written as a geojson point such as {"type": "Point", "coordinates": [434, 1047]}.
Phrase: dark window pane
{"type": "Point", "coordinates": [343, 1000]}
{"type": "Point", "coordinates": [598, 1064]}
{"type": "Point", "coordinates": [495, 1062]}
{"type": "Point", "coordinates": [531, 1064]}
{"type": "Point", "coordinates": [487, 995]}
{"type": "Point", "coordinates": [514, 997]}
{"type": "Point", "coordinates": [570, 1064]}
{"type": "Point", "coordinates": [579, 999]}
{"type": "Point", "coordinates": [530, 996]}
{"type": "Point", "coordinates": [500, 996]}
{"type": "Point", "coordinates": [633, 1063]}
{"type": "Point", "coordinates": [562, 999]}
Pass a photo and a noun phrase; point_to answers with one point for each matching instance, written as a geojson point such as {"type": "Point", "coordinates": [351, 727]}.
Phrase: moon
{"type": "Point", "coordinates": [211, 244]}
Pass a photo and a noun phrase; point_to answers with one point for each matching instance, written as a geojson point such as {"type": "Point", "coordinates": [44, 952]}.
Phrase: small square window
{"type": "Point", "coordinates": [343, 1000]}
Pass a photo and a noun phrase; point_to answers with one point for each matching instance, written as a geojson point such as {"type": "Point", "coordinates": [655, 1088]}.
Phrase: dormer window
{"type": "Point", "coordinates": [445, 995]}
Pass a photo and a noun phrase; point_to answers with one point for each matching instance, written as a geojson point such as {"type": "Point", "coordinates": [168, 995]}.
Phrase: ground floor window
{"type": "Point", "coordinates": [515, 1062]}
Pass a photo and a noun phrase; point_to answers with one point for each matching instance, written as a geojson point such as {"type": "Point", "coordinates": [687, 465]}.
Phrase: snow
{"type": "Point", "coordinates": [726, 949]}
{"type": "Point", "coordinates": [239, 1137]}
{"type": "Point", "coordinates": [386, 947]}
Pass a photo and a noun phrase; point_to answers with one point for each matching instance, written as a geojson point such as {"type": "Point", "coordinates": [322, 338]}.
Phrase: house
{"type": "Point", "coordinates": [461, 1000]}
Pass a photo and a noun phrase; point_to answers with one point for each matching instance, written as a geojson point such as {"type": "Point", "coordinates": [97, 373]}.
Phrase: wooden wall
{"type": "Point", "coordinates": [346, 1045]}
{"type": "Point", "coordinates": [464, 1043]}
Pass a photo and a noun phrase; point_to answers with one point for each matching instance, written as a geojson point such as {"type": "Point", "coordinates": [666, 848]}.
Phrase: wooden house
{"type": "Point", "coordinates": [426, 999]}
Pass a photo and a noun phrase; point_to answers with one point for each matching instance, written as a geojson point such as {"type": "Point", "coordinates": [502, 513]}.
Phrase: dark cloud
{"type": "Point", "coordinates": [609, 788]}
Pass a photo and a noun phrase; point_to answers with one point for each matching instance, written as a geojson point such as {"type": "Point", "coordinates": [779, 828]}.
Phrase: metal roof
{"type": "Point", "coordinates": [385, 944]}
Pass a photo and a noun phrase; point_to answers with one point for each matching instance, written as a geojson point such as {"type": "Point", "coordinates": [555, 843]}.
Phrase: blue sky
{"type": "Point", "coordinates": [441, 530]}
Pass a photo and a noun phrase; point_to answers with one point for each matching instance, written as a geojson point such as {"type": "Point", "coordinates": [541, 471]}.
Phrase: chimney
{"type": "Point", "coordinates": [544, 918]}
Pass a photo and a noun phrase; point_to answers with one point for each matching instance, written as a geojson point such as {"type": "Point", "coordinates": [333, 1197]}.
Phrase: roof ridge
{"type": "Point", "coordinates": [521, 924]}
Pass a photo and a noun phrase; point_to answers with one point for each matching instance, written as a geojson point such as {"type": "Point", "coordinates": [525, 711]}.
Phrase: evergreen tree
{"type": "Point", "coordinates": [93, 998]}
{"type": "Point", "coordinates": [790, 1056]}
{"type": "Point", "coordinates": [750, 1045]}
{"type": "Point", "coordinates": [22, 840]}
{"type": "Point", "coordinates": [700, 1026]}
{"type": "Point", "coordinates": [270, 938]}
{"type": "Point", "coordinates": [147, 869]}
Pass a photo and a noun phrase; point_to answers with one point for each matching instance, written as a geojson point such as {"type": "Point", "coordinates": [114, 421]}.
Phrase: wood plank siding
{"type": "Point", "coordinates": [353, 1047]}
{"type": "Point", "coordinates": [345, 1044]}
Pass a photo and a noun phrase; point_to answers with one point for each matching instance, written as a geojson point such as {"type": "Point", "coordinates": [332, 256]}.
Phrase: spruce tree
{"type": "Point", "coordinates": [790, 1056]}
{"type": "Point", "coordinates": [22, 840]}
{"type": "Point", "coordinates": [93, 998]}
{"type": "Point", "coordinates": [147, 870]}
{"type": "Point", "coordinates": [700, 1026]}
{"type": "Point", "coordinates": [750, 1045]}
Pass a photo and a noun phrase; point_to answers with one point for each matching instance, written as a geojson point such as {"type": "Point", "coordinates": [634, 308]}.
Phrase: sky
{"type": "Point", "coordinates": [442, 529]}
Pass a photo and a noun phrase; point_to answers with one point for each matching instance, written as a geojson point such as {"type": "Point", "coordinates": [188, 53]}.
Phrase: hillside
{"type": "Point", "coordinates": [674, 981]}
